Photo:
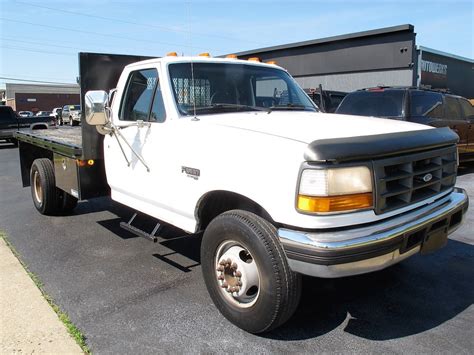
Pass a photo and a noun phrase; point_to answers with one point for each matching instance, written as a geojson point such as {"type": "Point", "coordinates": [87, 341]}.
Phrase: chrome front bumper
{"type": "Point", "coordinates": [344, 252]}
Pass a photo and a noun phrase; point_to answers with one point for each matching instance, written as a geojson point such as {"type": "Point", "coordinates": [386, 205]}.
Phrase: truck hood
{"type": "Point", "coordinates": [307, 127]}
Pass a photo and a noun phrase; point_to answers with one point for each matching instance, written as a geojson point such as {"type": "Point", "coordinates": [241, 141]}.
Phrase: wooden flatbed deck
{"type": "Point", "coordinates": [64, 140]}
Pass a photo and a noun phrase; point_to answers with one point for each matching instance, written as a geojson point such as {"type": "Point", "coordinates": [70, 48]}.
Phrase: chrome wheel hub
{"type": "Point", "coordinates": [38, 189]}
{"type": "Point", "coordinates": [237, 274]}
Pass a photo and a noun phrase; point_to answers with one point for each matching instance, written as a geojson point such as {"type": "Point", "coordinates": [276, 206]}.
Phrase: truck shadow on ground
{"type": "Point", "coordinates": [406, 299]}
{"type": "Point", "coordinates": [417, 295]}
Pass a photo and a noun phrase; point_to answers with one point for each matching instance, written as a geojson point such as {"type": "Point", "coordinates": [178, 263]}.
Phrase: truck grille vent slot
{"type": "Point", "coordinates": [411, 178]}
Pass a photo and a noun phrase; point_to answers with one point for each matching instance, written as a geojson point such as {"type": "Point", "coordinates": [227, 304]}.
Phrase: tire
{"type": "Point", "coordinates": [47, 198]}
{"type": "Point", "coordinates": [239, 241]}
{"type": "Point", "coordinates": [43, 186]}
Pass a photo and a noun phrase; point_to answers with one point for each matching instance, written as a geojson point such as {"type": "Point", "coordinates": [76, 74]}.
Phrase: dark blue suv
{"type": "Point", "coordinates": [416, 105]}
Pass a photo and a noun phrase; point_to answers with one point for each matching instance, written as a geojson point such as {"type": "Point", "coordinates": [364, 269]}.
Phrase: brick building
{"type": "Point", "coordinates": [29, 97]}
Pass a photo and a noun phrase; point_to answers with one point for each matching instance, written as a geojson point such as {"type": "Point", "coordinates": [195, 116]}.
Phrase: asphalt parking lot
{"type": "Point", "coordinates": [128, 295]}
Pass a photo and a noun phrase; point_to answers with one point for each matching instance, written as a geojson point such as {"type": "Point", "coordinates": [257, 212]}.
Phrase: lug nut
{"type": "Point", "coordinates": [229, 261]}
{"type": "Point", "coordinates": [222, 262]}
{"type": "Point", "coordinates": [220, 277]}
{"type": "Point", "coordinates": [224, 284]}
{"type": "Point", "coordinates": [238, 274]}
{"type": "Point", "coordinates": [239, 283]}
{"type": "Point", "coordinates": [234, 266]}
{"type": "Point", "coordinates": [220, 268]}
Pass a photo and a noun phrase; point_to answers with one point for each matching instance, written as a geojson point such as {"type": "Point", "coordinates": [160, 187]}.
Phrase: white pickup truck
{"type": "Point", "coordinates": [237, 149]}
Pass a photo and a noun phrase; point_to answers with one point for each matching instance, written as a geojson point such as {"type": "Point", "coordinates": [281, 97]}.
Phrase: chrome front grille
{"type": "Point", "coordinates": [401, 181]}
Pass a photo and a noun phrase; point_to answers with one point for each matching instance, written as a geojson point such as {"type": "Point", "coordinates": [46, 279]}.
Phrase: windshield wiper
{"type": "Point", "coordinates": [289, 106]}
{"type": "Point", "coordinates": [225, 105]}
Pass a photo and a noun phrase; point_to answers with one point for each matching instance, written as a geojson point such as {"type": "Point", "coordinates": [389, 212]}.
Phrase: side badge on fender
{"type": "Point", "coordinates": [191, 172]}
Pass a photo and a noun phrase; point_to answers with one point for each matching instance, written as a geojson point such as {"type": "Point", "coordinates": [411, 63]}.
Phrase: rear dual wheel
{"type": "Point", "coordinates": [47, 198]}
{"type": "Point", "coordinates": [246, 272]}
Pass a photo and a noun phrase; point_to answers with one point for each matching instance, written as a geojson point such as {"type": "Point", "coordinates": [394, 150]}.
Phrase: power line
{"type": "Point", "coordinates": [98, 34]}
{"type": "Point", "coordinates": [34, 81]}
{"type": "Point", "coordinates": [46, 44]}
{"type": "Point", "coordinates": [165, 28]}
{"type": "Point", "coordinates": [31, 76]}
{"type": "Point", "coordinates": [37, 51]}
{"type": "Point", "coordinates": [39, 43]}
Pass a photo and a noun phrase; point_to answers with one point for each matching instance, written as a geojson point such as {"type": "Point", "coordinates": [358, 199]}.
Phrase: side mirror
{"type": "Point", "coordinates": [96, 107]}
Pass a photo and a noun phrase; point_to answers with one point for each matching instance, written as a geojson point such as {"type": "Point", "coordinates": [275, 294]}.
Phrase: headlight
{"type": "Point", "coordinates": [335, 190]}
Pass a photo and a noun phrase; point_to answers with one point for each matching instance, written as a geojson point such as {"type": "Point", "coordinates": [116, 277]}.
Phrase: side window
{"type": "Point", "coordinates": [428, 104]}
{"type": "Point", "coordinates": [138, 95]}
{"type": "Point", "coordinates": [158, 113]}
{"type": "Point", "coordinates": [453, 109]}
{"type": "Point", "coordinates": [467, 108]}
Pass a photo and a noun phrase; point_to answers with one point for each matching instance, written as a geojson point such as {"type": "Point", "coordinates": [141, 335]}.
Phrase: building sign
{"type": "Point", "coordinates": [434, 75]}
{"type": "Point", "coordinates": [31, 100]}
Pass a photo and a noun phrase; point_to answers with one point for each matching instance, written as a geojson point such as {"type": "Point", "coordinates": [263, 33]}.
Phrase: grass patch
{"type": "Point", "coordinates": [63, 317]}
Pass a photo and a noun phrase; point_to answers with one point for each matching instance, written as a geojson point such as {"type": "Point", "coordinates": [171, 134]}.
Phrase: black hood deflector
{"type": "Point", "coordinates": [377, 146]}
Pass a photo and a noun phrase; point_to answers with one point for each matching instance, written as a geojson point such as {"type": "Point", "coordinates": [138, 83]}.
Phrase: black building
{"type": "Point", "coordinates": [383, 57]}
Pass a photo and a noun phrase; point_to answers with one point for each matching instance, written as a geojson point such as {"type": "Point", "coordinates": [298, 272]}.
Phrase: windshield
{"type": "Point", "coordinates": [74, 107]}
{"type": "Point", "coordinates": [383, 103]}
{"type": "Point", "coordinates": [226, 87]}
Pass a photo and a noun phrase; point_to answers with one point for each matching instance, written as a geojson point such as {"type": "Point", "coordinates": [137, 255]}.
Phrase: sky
{"type": "Point", "coordinates": [39, 40]}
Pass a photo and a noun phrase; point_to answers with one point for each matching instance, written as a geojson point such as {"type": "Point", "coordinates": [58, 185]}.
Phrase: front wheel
{"type": "Point", "coordinates": [246, 272]}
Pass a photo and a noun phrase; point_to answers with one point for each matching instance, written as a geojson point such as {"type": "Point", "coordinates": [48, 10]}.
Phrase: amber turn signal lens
{"type": "Point", "coordinates": [231, 56]}
{"type": "Point", "coordinates": [334, 203]}
{"type": "Point", "coordinates": [271, 62]}
{"type": "Point", "coordinates": [171, 54]}
{"type": "Point", "coordinates": [204, 55]}
{"type": "Point", "coordinates": [254, 59]}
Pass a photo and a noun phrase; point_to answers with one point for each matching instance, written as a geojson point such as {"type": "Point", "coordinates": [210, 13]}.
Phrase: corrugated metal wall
{"type": "Point", "coordinates": [353, 81]}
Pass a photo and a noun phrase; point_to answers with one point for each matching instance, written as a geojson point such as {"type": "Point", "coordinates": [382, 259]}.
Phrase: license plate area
{"type": "Point", "coordinates": [436, 237]}
{"type": "Point", "coordinates": [430, 238]}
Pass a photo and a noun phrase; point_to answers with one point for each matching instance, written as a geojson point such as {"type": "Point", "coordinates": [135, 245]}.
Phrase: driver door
{"type": "Point", "coordinates": [131, 160]}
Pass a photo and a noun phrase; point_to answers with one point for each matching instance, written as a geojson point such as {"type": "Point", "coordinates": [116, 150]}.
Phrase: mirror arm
{"type": "Point", "coordinates": [116, 132]}
{"type": "Point", "coordinates": [120, 145]}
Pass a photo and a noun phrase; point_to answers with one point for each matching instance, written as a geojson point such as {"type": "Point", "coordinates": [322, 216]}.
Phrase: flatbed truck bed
{"type": "Point", "coordinates": [65, 141]}
{"type": "Point", "coordinates": [80, 176]}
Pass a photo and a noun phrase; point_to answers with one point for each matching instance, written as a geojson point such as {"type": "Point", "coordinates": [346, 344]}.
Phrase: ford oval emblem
{"type": "Point", "coordinates": [427, 177]}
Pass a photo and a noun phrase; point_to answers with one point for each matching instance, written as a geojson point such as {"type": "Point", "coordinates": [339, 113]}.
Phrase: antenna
{"type": "Point", "coordinates": [188, 8]}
